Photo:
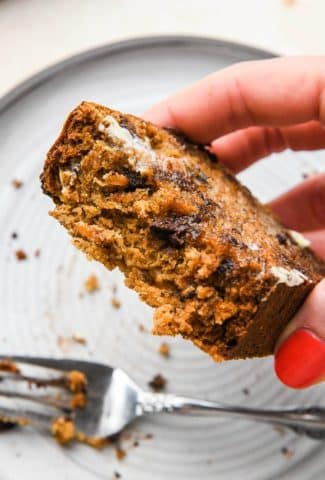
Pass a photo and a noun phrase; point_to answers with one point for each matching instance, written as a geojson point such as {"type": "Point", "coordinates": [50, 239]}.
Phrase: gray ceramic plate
{"type": "Point", "coordinates": [40, 299]}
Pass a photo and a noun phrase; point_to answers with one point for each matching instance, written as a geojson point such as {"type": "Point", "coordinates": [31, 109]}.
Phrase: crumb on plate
{"type": "Point", "coordinates": [17, 183]}
{"type": "Point", "coordinates": [20, 421]}
{"type": "Point", "coordinates": [78, 338]}
{"type": "Point", "coordinates": [287, 452]}
{"type": "Point", "coordinates": [91, 284]}
{"type": "Point", "coordinates": [157, 383]}
{"type": "Point", "coordinates": [164, 350]}
{"type": "Point", "coordinates": [63, 343]}
{"type": "Point", "coordinates": [8, 366]}
{"type": "Point", "coordinates": [21, 255]}
{"type": "Point", "coordinates": [63, 430]}
{"type": "Point", "coordinates": [280, 430]}
{"type": "Point", "coordinates": [115, 303]}
{"type": "Point", "coordinates": [120, 453]}
{"type": "Point", "coordinates": [79, 400]}
{"type": "Point", "coordinates": [76, 381]}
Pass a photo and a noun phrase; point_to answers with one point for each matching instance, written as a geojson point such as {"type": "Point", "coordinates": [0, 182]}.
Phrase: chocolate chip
{"type": "Point", "coordinates": [136, 180]}
{"type": "Point", "coordinates": [182, 180]}
{"type": "Point", "coordinates": [232, 342]}
{"type": "Point", "coordinates": [202, 178]}
{"type": "Point", "coordinates": [175, 230]}
{"type": "Point", "coordinates": [225, 267]}
{"type": "Point", "coordinates": [180, 137]}
{"type": "Point", "coordinates": [231, 240]}
{"type": "Point", "coordinates": [282, 238]}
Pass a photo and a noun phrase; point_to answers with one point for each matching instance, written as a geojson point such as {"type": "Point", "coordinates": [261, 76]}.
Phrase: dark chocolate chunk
{"type": "Point", "coordinates": [175, 230]}
{"type": "Point", "coordinates": [282, 238]}
{"type": "Point", "coordinates": [136, 180]}
{"type": "Point", "coordinates": [202, 178]}
{"type": "Point", "coordinates": [225, 267]}
{"type": "Point", "coordinates": [232, 342]}
{"type": "Point", "coordinates": [231, 240]}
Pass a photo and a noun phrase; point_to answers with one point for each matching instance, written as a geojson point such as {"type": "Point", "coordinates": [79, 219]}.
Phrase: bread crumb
{"type": "Point", "coordinates": [8, 366]}
{"type": "Point", "coordinates": [142, 328]}
{"type": "Point", "coordinates": [289, 3]}
{"type": "Point", "coordinates": [92, 284]}
{"type": "Point", "coordinates": [280, 430]}
{"type": "Point", "coordinates": [78, 338]}
{"type": "Point", "coordinates": [246, 391]}
{"type": "Point", "coordinates": [63, 430]}
{"type": "Point", "coordinates": [148, 436]}
{"type": "Point", "coordinates": [117, 475]}
{"type": "Point", "coordinates": [76, 381]}
{"type": "Point", "coordinates": [63, 343]}
{"type": "Point", "coordinates": [8, 422]}
{"type": "Point", "coordinates": [37, 253]}
{"type": "Point", "coordinates": [287, 452]}
{"type": "Point", "coordinates": [164, 350]}
{"type": "Point", "coordinates": [17, 183]}
{"type": "Point", "coordinates": [14, 235]}
{"type": "Point", "coordinates": [115, 303]}
{"type": "Point", "coordinates": [78, 400]}
{"type": "Point", "coordinates": [120, 453]}
{"type": "Point", "coordinates": [157, 383]}
{"type": "Point", "coordinates": [21, 255]}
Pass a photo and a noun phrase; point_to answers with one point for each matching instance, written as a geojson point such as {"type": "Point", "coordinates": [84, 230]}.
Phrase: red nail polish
{"type": "Point", "coordinates": [300, 360]}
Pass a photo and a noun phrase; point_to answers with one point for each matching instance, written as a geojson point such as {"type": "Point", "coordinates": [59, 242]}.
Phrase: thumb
{"type": "Point", "coordinates": [300, 352]}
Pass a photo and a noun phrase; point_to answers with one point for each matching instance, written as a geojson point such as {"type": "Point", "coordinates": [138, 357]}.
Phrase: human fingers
{"type": "Point", "coordinates": [317, 241]}
{"type": "Point", "coordinates": [303, 207]}
{"type": "Point", "coordinates": [278, 92]}
{"type": "Point", "coordinates": [240, 149]}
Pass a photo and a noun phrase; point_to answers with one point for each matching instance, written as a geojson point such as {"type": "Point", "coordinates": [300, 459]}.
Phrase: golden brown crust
{"type": "Point", "coordinates": [194, 243]}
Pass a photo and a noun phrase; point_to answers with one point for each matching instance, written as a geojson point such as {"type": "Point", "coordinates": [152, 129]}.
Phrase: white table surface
{"type": "Point", "coordinates": [38, 33]}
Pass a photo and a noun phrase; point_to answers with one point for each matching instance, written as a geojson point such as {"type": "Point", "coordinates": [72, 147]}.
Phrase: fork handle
{"type": "Point", "coordinates": [308, 421]}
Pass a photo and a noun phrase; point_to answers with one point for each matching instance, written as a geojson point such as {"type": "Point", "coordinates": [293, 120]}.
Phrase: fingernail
{"type": "Point", "coordinates": [300, 360]}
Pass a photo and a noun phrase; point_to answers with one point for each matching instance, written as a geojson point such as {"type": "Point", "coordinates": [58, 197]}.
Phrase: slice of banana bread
{"type": "Point", "coordinates": [194, 243]}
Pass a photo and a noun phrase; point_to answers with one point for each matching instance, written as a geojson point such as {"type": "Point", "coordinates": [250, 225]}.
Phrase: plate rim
{"type": "Point", "coordinates": [32, 82]}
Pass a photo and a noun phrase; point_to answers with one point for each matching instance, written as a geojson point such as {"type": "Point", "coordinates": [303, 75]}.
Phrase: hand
{"type": "Point", "coordinates": [247, 112]}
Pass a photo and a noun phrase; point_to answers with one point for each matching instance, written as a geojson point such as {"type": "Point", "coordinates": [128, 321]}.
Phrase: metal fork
{"type": "Point", "coordinates": [114, 401]}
